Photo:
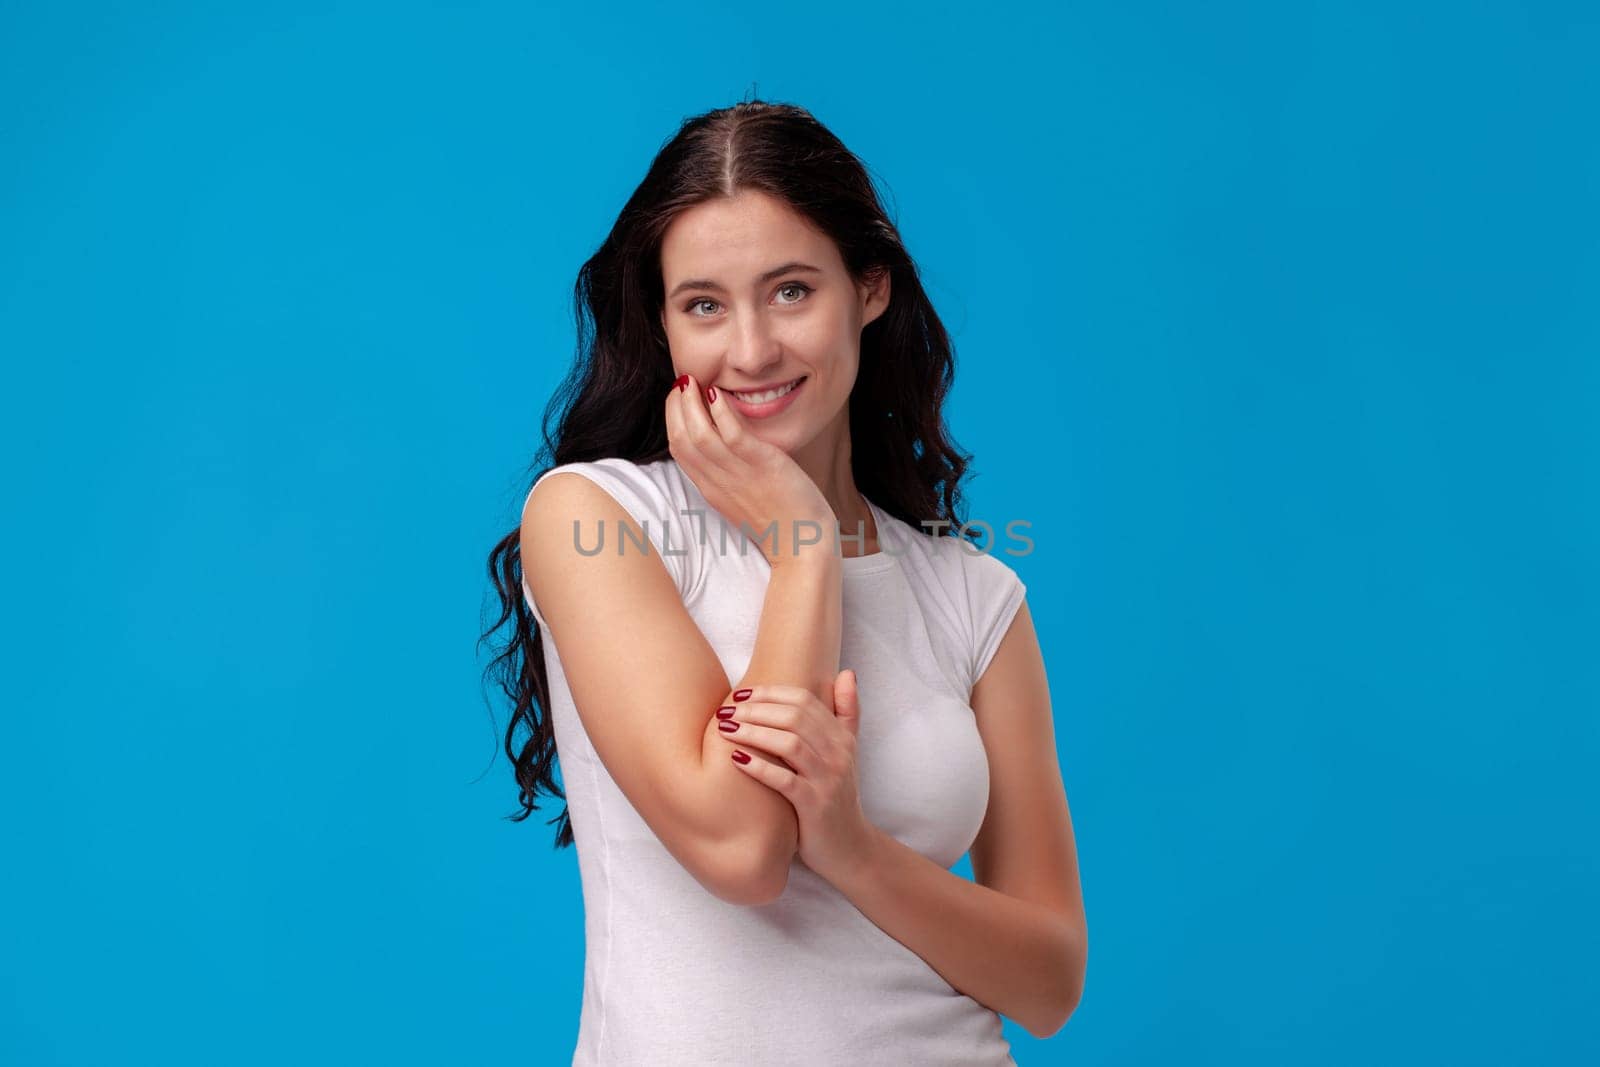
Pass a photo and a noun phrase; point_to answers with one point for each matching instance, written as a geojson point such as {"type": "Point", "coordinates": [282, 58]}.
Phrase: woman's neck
{"type": "Point", "coordinates": [830, 468]}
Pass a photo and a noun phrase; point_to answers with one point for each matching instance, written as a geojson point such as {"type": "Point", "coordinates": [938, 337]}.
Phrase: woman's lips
{"type": "Point", "coordinates": [768, 408]}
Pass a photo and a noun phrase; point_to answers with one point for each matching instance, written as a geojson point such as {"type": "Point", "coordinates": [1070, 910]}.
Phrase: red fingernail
{"type": "Point", "coordinates": [711, 395]}
{"type": "Point", "coordinates": [743, 694]}
{"type": "Point", "coordinates": [725, 712]}
{"type": "Point", "coordinates": [727, 726]}
{"type": "Point", "coordinates": [741, 757]}
{"type": "Point", "coordinates": [683, 380]}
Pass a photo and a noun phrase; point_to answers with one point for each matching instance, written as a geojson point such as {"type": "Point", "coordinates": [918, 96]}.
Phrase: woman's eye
{"type": "Point", "coordinates": [802, 289]}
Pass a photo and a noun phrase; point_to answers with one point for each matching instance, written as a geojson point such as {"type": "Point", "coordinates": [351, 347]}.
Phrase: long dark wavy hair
{"type": "Point", "coordinates": [611, 401]}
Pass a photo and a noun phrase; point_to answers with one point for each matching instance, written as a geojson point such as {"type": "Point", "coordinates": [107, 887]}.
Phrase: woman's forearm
{"type": "Point", "coordinates": [1013, 956]}
{"type": "Point", "coordinates": [797, 643]}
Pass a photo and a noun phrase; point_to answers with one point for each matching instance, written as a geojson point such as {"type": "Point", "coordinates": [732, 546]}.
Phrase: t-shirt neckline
{"type": "Point", "coordinates": [877, 561]}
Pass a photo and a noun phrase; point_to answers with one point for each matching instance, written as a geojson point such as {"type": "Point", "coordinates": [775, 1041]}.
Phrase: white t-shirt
{"type": "Point", "coordinates": [674, 975]}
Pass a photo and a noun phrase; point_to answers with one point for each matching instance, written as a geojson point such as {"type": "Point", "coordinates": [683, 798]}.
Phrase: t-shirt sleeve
{"type": "Point", "coordinates": [663, 524]}
{"type": "Point", "coordinates": [994, 593]}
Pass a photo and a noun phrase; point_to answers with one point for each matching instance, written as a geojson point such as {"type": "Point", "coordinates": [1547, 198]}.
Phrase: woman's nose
{"type": "Point", "coordinates": [754, 349]}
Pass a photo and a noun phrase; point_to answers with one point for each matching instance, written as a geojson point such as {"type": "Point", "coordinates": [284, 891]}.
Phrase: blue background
{"type": "Point", "coordinates": [1278, 321]}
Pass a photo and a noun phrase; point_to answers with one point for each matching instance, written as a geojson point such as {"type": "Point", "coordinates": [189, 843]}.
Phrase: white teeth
{"type": "Point", "coordinates": [770, 394]}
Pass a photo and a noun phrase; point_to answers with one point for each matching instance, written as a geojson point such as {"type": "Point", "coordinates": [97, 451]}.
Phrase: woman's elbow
{"type": "Point", "coordinates": [1074, 959]}
{"type": "Point", "coordinates": [752, 871]}
{"type": "Point", "coordinates": [1043, 1028]}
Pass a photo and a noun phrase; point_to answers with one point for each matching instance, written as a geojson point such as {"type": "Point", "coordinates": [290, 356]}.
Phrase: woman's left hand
{"type": "Point", "coordinates": [819, 746]}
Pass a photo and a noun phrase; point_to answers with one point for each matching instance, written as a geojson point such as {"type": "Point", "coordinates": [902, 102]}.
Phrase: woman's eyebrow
{"type": "Point", "coordinates": [706, 283]}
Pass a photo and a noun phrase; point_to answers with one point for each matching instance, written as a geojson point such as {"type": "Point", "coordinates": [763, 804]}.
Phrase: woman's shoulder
{"type": "Point", "coordinates": [654, 482]}
{"type": "Point", "coordinates": [941, 548]}
{"type": "Point", "coordinates": [653, 494]}
{"type": "Point", "coordinates": [620, 465]}
{"type": "Point", "coordinates": [970, 591]}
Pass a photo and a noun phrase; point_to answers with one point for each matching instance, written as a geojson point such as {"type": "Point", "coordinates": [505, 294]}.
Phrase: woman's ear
{"type": "Point", "coordinates": [876, 296]}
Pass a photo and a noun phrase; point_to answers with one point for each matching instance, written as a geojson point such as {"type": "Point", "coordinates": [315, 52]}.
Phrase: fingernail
{"type": "Point", "coordinates": [683, 380]}
{"type": "Point", "coordinates": [727, 726]}
{"type": "Point", "coordinates": [743, 694]}
{"type": "Point", "coordinates": [741, 757]}
{"type": "Point", "coordinates": [711, 395]}
{"type": "Point", "coordinates": [726, 711]}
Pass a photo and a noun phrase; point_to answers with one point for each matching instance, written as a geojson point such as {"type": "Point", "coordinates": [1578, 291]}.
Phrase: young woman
{"type": "Point", "coordinates": [775, 744]}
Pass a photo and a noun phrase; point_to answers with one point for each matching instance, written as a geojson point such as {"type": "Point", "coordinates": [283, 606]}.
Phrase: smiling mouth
{"type": "Point", "coordinates": [767, 396]}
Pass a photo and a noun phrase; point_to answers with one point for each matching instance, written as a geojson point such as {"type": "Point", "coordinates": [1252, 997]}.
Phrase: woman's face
{"type": "Point", "coordinates": [757, 299]}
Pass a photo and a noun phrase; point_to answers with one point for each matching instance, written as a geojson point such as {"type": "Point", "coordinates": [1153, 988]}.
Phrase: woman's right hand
{"type": "Point", "coordinates": [743, 477]}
